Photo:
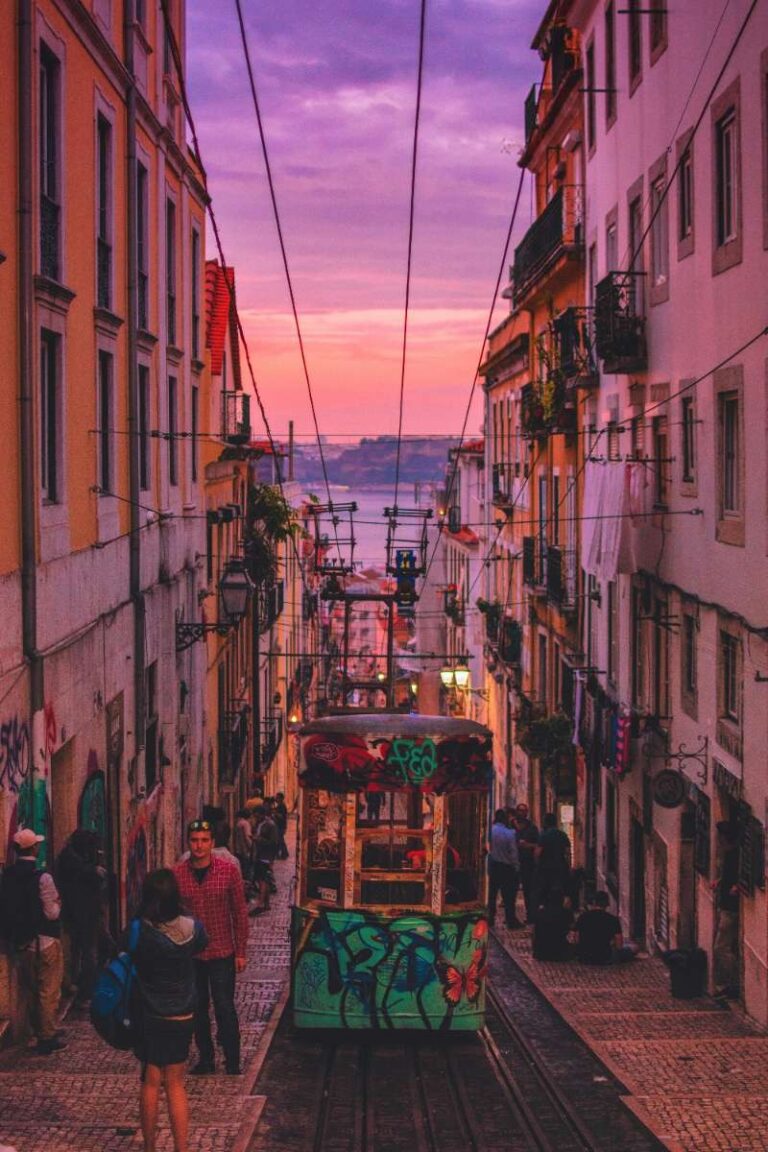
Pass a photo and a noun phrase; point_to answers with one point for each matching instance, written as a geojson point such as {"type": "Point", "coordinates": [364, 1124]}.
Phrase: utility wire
{"type": "Point", "coordinates": [411, 212]}
{"type": "Point", "coordinates": [284, 253]}
{"type": "Point", "coordinates": [176, 56]}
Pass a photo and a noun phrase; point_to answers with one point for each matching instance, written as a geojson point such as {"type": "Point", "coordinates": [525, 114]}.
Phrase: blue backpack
{"type": "Point", "coordinates": [114, 1007]}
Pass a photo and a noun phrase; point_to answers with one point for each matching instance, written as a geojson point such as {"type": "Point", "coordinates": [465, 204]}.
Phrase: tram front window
{"type": "Point", "coordinates": [394, 835]}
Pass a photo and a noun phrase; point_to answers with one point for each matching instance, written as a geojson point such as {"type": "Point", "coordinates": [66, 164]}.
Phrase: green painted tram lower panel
{"type": "Point", "coordinates": [359, 969]}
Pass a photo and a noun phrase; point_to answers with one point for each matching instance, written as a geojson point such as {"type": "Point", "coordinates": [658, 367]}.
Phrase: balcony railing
{"type": "Point", "coordinates": [561, 576]}
{"type": "Point", "coordinates": [563, 59]}
{"type": "Point", "coordinates": [235, 417]}
{"type": "Point", "coordinates": [233, 742]}
{"type": "Point", "coordinates": [272, 734]}
{"type": "Point", "coordinates": [534, 563]}
{"type": "Point", "coordinates": [510, 641]}
{"type": "Point", "coordinates": [619, 323]}
{"type": "Point", "coordinates": [103, 273]}
{"type": "Point", "coordinates": [507, 478]}
{"type": "Point", "coordinates": [50, 238]}
{"type": "Point", "coordinates": [271, 603]}
{"type": "Point", "coordinates": [559, 229]}
{"type": "Point", "coordinates": [574, 348]}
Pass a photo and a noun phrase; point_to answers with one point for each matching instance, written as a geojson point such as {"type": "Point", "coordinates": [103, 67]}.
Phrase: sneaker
{"type": "Point", "coordinates": [203, 1068]}
{"type": "Point", "coordinates": [48, 1047]}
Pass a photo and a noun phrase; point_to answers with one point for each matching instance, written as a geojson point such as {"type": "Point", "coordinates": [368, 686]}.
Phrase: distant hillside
{"type": "Point", "coordinates": [372, 461]}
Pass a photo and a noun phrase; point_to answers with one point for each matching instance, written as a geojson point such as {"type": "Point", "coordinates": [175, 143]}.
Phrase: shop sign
{"type": "Point", "coordinates": [668, 788]}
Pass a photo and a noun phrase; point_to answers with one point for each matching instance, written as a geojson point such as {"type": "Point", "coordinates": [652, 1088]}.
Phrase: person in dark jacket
{"type": "Point", "coordinates": [551, 927]}
{"type": "Point", "coordinates": [81, 883]}
{"type": "Point", "coordinates": [168, 941]}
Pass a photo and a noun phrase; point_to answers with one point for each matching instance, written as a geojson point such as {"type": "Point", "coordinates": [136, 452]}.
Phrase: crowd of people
{"type": "Point", "coordinates": [193, 931]}
{"type": "Point", "coordinates": [538, 861]}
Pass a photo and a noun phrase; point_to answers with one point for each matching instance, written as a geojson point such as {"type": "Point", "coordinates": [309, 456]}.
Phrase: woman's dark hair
{"type": "Point", "coordinates": [160, 897]}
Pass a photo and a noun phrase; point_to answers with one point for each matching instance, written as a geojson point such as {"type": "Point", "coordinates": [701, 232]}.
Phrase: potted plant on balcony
{"type": "Point", "coordinates": [549, 739]}
{"type": "Point", "coordinates": [491, 609]}
{"type": "Point", "coordinates": [270, 521]}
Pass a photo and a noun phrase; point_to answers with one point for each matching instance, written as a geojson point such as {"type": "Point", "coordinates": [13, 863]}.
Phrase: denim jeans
{"type": "Point", "coordinates": [215, 980]}
{"type": "Point", "coordinates": [502, 878]}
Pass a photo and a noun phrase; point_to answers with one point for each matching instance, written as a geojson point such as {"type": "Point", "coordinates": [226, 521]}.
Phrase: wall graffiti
{"type": "Point", "coordinates": [92, 808]}
{"type": "Point", "coordinates": [15, 754]}
{"type": "Point", "coordinates": [357, 969]}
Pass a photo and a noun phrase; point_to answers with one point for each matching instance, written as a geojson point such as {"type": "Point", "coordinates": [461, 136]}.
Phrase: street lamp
{"type": "Point", "coordinates": [447, 676]}
{"type": "Point", "coordinates": [461, 677]}
{"type": "Point", "coordinates": [235, 591]}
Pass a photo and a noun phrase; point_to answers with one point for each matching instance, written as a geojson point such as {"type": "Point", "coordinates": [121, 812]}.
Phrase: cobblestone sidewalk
{"type": "Point", "coordinates": [86, 1098]}
{"type": "Point", "coordinates": [697, 1072]}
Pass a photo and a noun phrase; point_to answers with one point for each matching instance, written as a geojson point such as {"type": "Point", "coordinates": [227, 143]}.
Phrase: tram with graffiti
{"type": "Point", "coordinates": [389, 927]}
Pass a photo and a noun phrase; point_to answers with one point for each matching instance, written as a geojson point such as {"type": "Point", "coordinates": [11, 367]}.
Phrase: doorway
{"type": "Point", "coordinates": [686, 922]}
{"type": "Point", "coordinates": [637, 882]}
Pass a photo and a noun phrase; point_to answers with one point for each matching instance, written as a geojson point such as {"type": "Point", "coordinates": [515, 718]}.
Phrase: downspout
{"type": "Point", "coordinates": [26, 410]}
{"type": "Point", "coordinates": [134, 539]}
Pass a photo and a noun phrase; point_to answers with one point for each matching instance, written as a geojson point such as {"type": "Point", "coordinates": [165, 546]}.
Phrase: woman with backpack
{"type": "Point", "coordinates": [168, 940]}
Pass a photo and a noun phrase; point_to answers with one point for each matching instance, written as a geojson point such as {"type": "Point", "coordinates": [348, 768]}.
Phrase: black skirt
{"type": "Point", "coordinates": [164, 1041]}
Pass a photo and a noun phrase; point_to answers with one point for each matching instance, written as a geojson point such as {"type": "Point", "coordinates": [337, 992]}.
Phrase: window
{"type": "Point", "coordinates": [613, 631]}
{"type": "Point", "coordinates": [590, 94]}
{"type": "Point", "coordinates": [661, 461]}
{"type": "Point", "coordinates": [173, 430]}
{"type": "Point", "coordinates": [555, 510]}
{"type": "Point", "coordinates": [106, 436]}
{"type": "Point", "coordinates": [730, 448]}
{"type": "Point", "coordinates": [142, 246]}
{"type": "Point", "coordinates": [170, 269]}
{"type": "Point", "coordinates": [145, 457]}
{"type": "Point", "coordinates": [688, 662]}
{"type": "Point", "coordinates": [726, 152]}
{"type": "Point", "coordinates": [635, 44]}
{"type": "Point", "coordinates": [658, 29]}
{"type": "Point", "coordinates": [659, 703]}
{"type": "Point", "coordinates": [659, 239]}
{"type": "Point", "coordinates": [151, 742]}
{"type": "Point", "coordinates": [613, 446]}
{"type": "Point", "coordinates": [323, 818]}
{"type": "Point", "coordinates": [635, 241]}
{"type": "Point", "coordinates": [543, 677]}
{"type": "Point", "coordinates": [611, 832]}
{"type": "Point", "coordinates": [195, 294]}
{"type": "Point", "coordinates": [611, 245]}
{"type": "Point", "coordinates": [50, 164]}
{"type": "Point", "coordinates": [50, 417]}
{"type": "Point", "coordinates": [639, 653]}
{"type": "Point", "coordinates": [637, 432]}
{"type": "Point", "coordinates": [395, 834]}
{"type": "Point", "coordinates": [730, 677]}
{"type": "Point", "coordinates": [610, 64]}
{"type": "Point", "coordinates": [685, 214]}
{"type": "Point", "coordinates": [725, 161]}
{"type": "Point", "coordinates": [195, 407]}
{"type": "Point", "coordinates": [688, 439]}
{"type": "Point", "coordinates": [104, 210]}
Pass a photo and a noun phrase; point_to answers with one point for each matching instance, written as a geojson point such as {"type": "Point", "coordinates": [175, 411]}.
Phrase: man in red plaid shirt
{"type": "Point", "coordinates": [212, 890]}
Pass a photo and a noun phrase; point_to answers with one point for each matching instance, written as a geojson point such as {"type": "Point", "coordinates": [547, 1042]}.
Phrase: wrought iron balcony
{"type": "Point", "coordinates": [558, 230]}
{"type": "Point", "coordinates": [507, 478]}
{"type": "Point", "coordinates": [574, 349]}
{"type": "Point", "coordinates": [561, 577]}
{"type": "Point", "coordinates": [103, 274]}
{"type": "Point", "coordinates": [534, 563]}
{"type": "Point", "coordinates": [619, 323]}
{"type": "Point", "coordinates": [271, 602]}
{"type": "Point", "coordinates": [50, 238]}
{"type": "Point", "coordinates": [235, 417]}
{"type": "Point", "coordinates": [233, 742]}
{"type": "Point", "coordinates": [510, 641]}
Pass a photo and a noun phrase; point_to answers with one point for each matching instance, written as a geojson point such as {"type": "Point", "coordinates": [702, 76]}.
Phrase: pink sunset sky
{"type": "Point", "coordinates": [337, 87]}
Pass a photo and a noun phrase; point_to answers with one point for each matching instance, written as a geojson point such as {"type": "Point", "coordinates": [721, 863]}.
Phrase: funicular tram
{"type": "Point", "coordinates": [390, 928]}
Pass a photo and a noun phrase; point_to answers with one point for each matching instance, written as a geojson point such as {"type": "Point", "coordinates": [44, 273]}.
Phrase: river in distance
{"type": "Point", "coordinates": [370, 523]}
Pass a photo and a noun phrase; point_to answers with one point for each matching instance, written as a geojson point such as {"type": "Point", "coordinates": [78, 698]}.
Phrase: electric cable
{"type": "Point", "coordinates": [411, 213]}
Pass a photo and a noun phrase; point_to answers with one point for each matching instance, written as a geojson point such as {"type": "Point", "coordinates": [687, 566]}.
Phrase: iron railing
{"type": "Point", "coordinates": [534, 562]}
{"type": "Point", "coordinates": [235, 417]}
{"type": "Point", "coordinates": [233, 743]}
{"type": "Point", "coordinates": [574, 348]}
{"type": "Point", "coordinates": [619, 323]}
{"type": "Point", "coordinates": [510, 641]}
{"type": "Point", "coordinates": [558, 229]}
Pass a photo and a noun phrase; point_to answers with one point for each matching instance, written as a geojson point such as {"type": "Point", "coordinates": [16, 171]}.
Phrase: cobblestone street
{"type": "Point", "coordinates": [86, 1098]}
{"type": "Point", "coordinates": [696, 1073]}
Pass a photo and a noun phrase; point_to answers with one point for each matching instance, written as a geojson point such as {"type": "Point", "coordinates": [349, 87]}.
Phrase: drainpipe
{"type": "Point", "coordinates": [29, 516]}
{"type": "Point", "coordinates": [134, 539]}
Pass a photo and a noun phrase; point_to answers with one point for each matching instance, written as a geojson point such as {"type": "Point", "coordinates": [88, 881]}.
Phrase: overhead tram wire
{"type": "Point", "coordinates": [411, 213]}
{"type": "Point", "coordinates": [176, 56]}
{"type": "Point", "coordinates": [284, 254]}
{"type": "Point", "coordinates": [489, 321]}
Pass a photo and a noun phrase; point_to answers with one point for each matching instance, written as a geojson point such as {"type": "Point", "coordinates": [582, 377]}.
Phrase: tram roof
{"type": "Point", "coordinates": [404, 724]}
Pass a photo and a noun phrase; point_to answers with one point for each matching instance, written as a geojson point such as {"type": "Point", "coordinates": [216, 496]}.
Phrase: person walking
{"type": "Point", "coordinates": [81, 883]}
{"type": "Point", "coordinates": [553, 860]}
{"type": "Point", "coordinates": [280, 816]}
{"type": "Point", "coordinates": [503, 873]}
{"type": "Point", "coordinates": [266, 842]}
{"type": "Point", "coordinates": [168, 941]}
{"type": "Point", "coordinates": [527, 839]}
{"type": "Point", "coordinates": [244, 845]}
{"type": "Point", "coordinates": [212, 889]}
{"type": "Point", "coordinates": [30, 911]}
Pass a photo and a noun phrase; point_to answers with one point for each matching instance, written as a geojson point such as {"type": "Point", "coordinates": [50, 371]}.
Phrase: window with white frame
{"type": "Point", "coordinates": [142, 247]}
{"type": "Point", "coordinates": [727, 241]}
{"type": "Point", "coordinates": [609, 32]}
{"type": "Point", "coordinates": [195, 257]}
{"type": "Point", "coordinates": [49, 97]}
{"type": "Point", "coordinates": [661, 461]}
{"type": "Point", "coordinates": [688, 439]}
{"type": "Point", "coordinates": [685, 215]}
{"type": "Point", "coordinates": [634, 43]}
{"type": "Point", "coordinates": [659, 234]}
{"type": "Point", "coordinates": [730, 677]}
{"type": "Point", "coordinates": [170, 269]}
{"type": "Point", "coordinates": [730, 453]}
{"type": "Point", "coordinates": [104, 211]}
{"type": "Point", "coordinates": [145, 451]}
{"type": "Point", "coordinates": [173, 430]}
{"type": "Point", "coordinates": [590, 94]}
{"type": "Point", "coordinates": [689, 634]}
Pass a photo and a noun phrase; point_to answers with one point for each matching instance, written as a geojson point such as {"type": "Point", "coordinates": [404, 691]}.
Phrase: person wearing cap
{"type": "Point", "coordinates": [212, 890]}
{"type": "Point", "coordinates": [40, 958]}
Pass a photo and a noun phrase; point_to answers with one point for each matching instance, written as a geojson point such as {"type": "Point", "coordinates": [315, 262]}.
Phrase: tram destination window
{"type": "Point", "coordinates": [465, 833]}
{"type": "Point", "coordinates": [324, 823]}
{"type": "Point", "coordinates": [394, 848]}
